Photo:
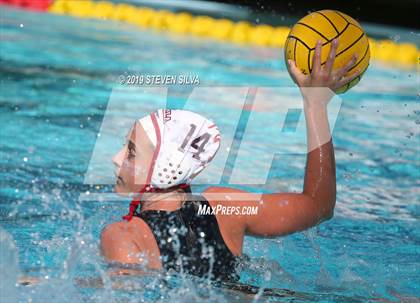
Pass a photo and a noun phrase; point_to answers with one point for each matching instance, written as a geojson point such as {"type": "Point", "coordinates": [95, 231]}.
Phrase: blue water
{"type": "Point", "coordinates": [59, 75]}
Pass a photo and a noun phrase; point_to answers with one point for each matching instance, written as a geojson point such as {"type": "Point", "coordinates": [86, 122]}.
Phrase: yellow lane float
{"type": "Point", "coordinates": [241, 32]}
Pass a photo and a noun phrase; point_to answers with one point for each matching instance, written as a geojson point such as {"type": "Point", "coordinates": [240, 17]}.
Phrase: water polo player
{"type": "Point", "coordinates": [167, 149]}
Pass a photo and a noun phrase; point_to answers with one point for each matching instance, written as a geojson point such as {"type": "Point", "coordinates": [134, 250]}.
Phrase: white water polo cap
{"type": "Point", "coordinates": [185, 143]}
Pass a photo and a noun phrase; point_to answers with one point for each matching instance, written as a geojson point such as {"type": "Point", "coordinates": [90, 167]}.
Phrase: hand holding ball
{"type": "Point", "coordinates": [350, 56]}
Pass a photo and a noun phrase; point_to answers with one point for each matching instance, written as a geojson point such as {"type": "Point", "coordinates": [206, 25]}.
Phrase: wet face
{"type": "Point", "coordinates": [133, 161]}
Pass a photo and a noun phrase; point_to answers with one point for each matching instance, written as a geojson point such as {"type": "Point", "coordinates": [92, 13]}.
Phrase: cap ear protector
{"type": "Point", "coordinates": [171, 168]}
{"type": "Point", "coordinates": [185, 143]}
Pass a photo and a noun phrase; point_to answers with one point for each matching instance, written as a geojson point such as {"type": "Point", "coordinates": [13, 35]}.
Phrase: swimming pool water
{"type": "Point", "coordinates": [57, 76]}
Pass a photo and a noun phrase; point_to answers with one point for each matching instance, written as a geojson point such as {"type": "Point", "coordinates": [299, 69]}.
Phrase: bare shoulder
{"type": "Point", "coordinates": [130, 242]}
{"type": "Point", "coordinates": [223, 189]}
{"type": "Point", "coordinates": [231, 225]}
{"type": "Point", "coordinates": [123, 226]}
{"type": "Point", "coordinates": [229, 195]}
{"type": "Point", "coordinates": [136, 227]}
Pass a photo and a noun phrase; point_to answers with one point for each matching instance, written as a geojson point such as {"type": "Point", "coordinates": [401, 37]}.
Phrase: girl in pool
{"type": "Point", "coordinates": [177, 230]}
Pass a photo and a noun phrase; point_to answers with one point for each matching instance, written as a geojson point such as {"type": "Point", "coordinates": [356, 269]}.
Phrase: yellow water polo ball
{"type": "Point", "coordinates": [327, 25]}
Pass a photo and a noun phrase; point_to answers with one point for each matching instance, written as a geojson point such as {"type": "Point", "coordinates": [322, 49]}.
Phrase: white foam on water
{"type": "Point", "coordinates": [9, 268]}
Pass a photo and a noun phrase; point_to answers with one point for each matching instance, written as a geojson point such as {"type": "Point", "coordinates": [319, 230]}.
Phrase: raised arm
{"type": "Point", "coordinates": [285, 213]}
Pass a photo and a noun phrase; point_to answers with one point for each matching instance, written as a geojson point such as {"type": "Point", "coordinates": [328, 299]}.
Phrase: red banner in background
{"type": "Point", "coordinates": [38, 5]}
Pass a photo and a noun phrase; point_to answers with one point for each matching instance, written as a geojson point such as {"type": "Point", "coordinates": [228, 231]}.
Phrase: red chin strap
{"type": "Point", "coordinates": [136, 202]}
